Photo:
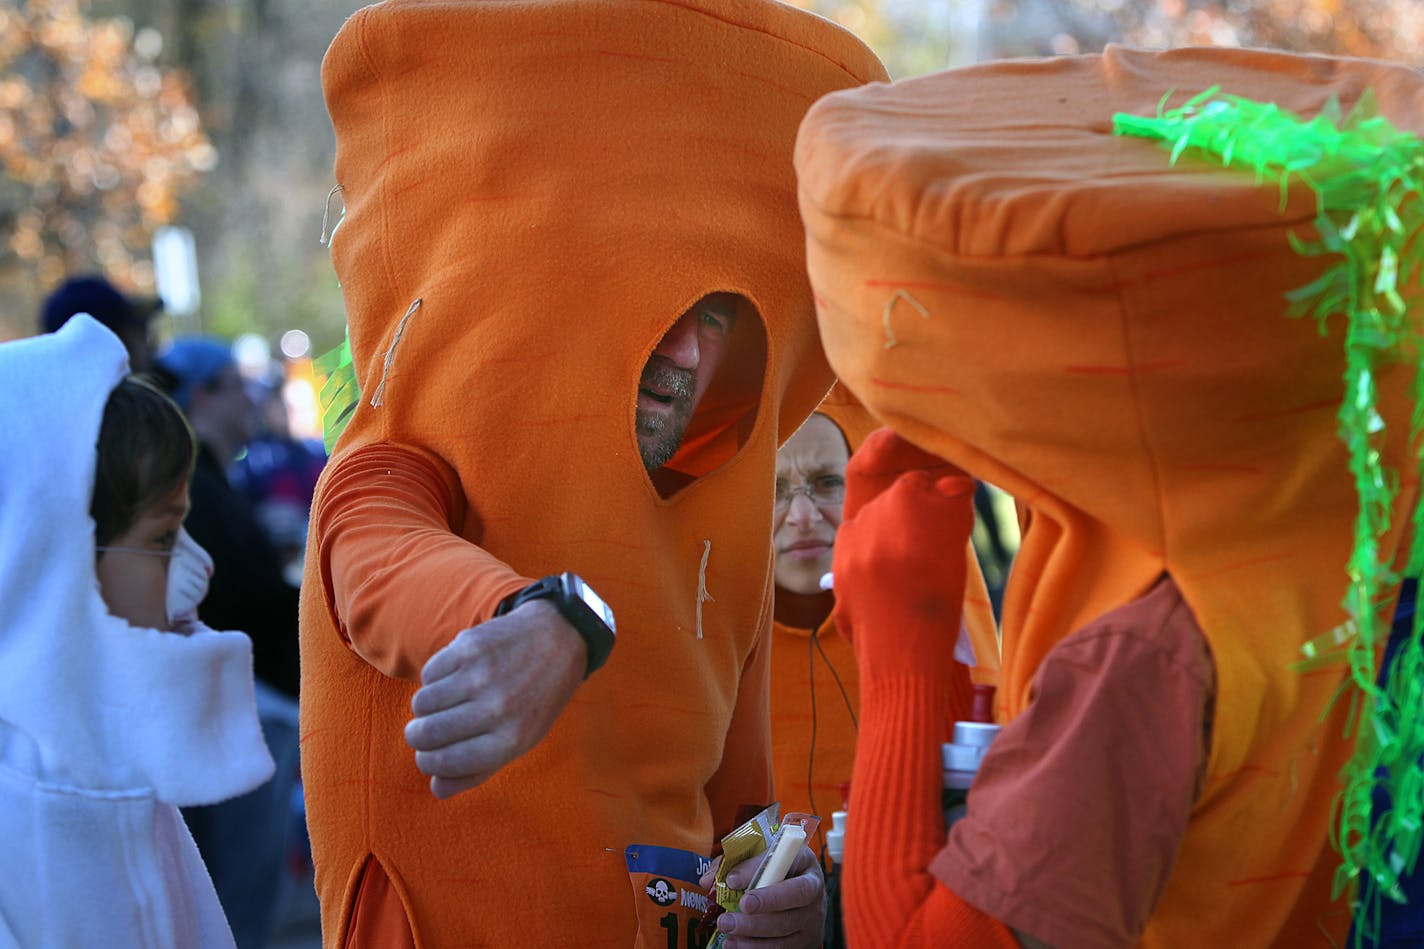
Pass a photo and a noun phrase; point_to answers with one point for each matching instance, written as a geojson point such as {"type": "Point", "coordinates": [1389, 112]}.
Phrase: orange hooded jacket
{"type": "Point", "coordinates": [1068, 315]}
{"type": "Point", "coordinates": [534, 191]}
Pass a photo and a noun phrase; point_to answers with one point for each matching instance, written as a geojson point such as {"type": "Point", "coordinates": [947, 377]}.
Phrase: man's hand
{"type": "Point", "coordinates": [492, 694]}
{"type": "Point", "coordinates": [786, 915]}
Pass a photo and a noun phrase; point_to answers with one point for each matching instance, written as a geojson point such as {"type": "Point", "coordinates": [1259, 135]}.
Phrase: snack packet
{"type": "Point", "coordinates": [758, 835]}
{"type": "Point", "coordinates": [741, 844]}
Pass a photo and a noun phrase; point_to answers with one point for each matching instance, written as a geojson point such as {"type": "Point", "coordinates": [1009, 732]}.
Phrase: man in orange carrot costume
{"type": "Point", "coordinates": [1102, 329]}
{"type": "Point", "coordinates": [535, 193]}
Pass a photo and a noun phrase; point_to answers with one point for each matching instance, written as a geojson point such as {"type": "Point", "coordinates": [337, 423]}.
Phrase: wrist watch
{"type": "Point", "coordinates": [580, 607]}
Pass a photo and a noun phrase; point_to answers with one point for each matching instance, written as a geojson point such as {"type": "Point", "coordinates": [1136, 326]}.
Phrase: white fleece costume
{"type": "Point", "coordinates": [105, 729]}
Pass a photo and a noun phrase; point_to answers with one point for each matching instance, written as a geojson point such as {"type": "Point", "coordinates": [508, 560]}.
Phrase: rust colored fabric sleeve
{"type": "Point", "coordinates": [1076, 816]}
{"type": "Point", "coordinates": [397, 569]}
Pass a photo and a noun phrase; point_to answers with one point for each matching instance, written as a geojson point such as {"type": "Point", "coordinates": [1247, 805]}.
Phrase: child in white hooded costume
{"type": "Point", "coordinates": [106, 728]}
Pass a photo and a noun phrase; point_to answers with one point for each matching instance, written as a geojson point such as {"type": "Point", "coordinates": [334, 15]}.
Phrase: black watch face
{"type": "Point", "coordinates": [594, 602]}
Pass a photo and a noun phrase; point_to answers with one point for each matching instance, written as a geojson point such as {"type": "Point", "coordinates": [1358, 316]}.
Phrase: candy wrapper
{"type": "Point", "coordinates": [784, 839]}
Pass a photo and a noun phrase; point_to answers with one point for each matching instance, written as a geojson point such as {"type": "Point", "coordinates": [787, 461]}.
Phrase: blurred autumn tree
{"type": "Point", "coordinates": [101, 137]}
{"type": "Point", "coordinates": [96, 146]}
{"type": "Point", "coordinates": [918, 36]}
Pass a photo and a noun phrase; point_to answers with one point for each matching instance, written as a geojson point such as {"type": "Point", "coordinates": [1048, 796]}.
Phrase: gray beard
{"type": "Point", "coordinates": [660, 435]}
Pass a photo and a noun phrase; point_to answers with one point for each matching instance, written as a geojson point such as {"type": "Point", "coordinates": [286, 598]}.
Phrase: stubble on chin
{"type": "Point", "coordinates": [659, 437]}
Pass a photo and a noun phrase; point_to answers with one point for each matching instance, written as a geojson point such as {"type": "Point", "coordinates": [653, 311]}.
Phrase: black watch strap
{"type": "Point", "coordinates": [580, 607]}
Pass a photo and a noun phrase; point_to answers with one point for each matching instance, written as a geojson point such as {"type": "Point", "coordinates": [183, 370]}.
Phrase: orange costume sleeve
{"type": "Point", "coordinates": [391, 517]}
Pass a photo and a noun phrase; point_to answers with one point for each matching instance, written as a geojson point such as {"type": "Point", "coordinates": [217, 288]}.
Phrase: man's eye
{"type": "Point", "coordinates": [718, 323]}
{"type": "Point", "coordinates": [829, 482]}
{"type": "Point", "coordinates": [165, 541]}
{"type": "Point", "coordinates": [782, 488]}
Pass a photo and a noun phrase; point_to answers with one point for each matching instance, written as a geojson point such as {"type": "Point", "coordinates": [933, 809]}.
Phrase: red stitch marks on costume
{"type": "Point", "coordinates": [1248, 769]}
{"type": "Point", "coordinates": [1242, 564]}
{"type": "Point", "coordinates": [1123, 370]}
{"type": "Point", "coordinates": [620, 54]}
{"type": "Point", "coordinates": [722, 145]}
{"type": "Point", "coordinates": [1223, 469]}
{"type": "Point", "coordinates": [1215, 263]}
{"type": "Point", "coordinates": [795, 94]}
{"type": "Point", "coordinates": [912, 387]}
{"type": "Point", "coordinates": [392, 157]}
{"type": "Point", "coordinates": [1272, 878]}
{"type": "Point", "coordinates": [1286, 413]}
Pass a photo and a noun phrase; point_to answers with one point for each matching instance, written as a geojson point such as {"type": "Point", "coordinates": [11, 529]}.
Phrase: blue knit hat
{"type": "Point", "coordinates": [192, 362]}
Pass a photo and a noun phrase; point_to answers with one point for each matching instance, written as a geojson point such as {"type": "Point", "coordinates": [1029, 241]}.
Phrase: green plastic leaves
{"type": "Point", "coordinates": [340, 393]}
{"type": "Point", "coordinates": [1367, 177]}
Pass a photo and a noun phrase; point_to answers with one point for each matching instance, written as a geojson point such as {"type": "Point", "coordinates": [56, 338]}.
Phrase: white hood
{"type": "Point", "coordinates": [86, 700]}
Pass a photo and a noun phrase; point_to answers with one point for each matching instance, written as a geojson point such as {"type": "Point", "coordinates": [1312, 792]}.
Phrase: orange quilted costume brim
{"type": "Point", "coordinates": [1066, 314]}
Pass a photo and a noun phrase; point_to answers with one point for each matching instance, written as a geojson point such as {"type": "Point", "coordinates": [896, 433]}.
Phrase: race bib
{"type": "Point", "coordinates": [667, 897]}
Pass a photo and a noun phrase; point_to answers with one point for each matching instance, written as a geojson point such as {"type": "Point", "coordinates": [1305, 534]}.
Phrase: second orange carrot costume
{"type": "Point", "coordinates": [1104, 335]}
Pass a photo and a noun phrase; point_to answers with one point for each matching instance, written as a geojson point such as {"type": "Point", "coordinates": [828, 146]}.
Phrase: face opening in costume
{"type": "Point", "coordinates": [677, 374]}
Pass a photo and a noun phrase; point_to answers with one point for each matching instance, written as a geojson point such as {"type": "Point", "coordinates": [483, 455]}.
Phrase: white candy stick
{"type": "Point", "coordinates": [792, 839]}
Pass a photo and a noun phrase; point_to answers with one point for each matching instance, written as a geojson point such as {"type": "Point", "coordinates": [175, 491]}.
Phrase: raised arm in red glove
{"type": "Point", "coordinates": [899, 570]}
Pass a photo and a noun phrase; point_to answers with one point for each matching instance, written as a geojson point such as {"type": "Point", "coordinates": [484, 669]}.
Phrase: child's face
{"type": "Point", "coordinates": [133, 569]}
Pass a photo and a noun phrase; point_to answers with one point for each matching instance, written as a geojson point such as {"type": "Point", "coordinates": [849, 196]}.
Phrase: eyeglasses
{"type": "Point", "coordinates": [821, 491]}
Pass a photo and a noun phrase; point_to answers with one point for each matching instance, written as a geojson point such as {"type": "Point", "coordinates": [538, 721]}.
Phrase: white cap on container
{"type": "Point", "coordinates": [963, 755]}
{"type": "Point", "coordinates": [835, 837]}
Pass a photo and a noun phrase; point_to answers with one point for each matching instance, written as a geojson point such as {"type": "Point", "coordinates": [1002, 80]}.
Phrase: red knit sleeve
{"type": "Point", "coordinates": [896, 826]}
{"type": "Point", "coordinates": [398, 577]}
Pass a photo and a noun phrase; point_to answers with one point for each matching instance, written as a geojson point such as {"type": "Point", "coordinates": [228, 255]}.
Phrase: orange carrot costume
{"type": "Point", "coordinates": [1103, 334]}
{"type": "Point", "coordinates": [534, 192]}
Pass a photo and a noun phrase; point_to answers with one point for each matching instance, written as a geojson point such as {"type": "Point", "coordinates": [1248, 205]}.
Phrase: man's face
{"type": "Point", "coordinates": [678, 373]}
{"type": "Point", "coordinates": [225, 408]}
{"type": "Point", "coordinates": [810, 489]}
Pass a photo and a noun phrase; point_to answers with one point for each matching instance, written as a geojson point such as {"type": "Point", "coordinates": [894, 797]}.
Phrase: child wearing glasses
{"type": "Point", "coordinates": [116, 705]}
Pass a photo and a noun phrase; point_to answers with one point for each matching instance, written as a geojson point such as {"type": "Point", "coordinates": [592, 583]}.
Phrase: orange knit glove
{"type": "Point", "coordinates": [899, 557]}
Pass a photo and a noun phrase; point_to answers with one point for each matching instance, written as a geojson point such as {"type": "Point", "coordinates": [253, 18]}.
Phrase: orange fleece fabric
{"type": "Point", "coordinates": [534, 192]}
{"type": "Point", "coordinates": [1067, 315]}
